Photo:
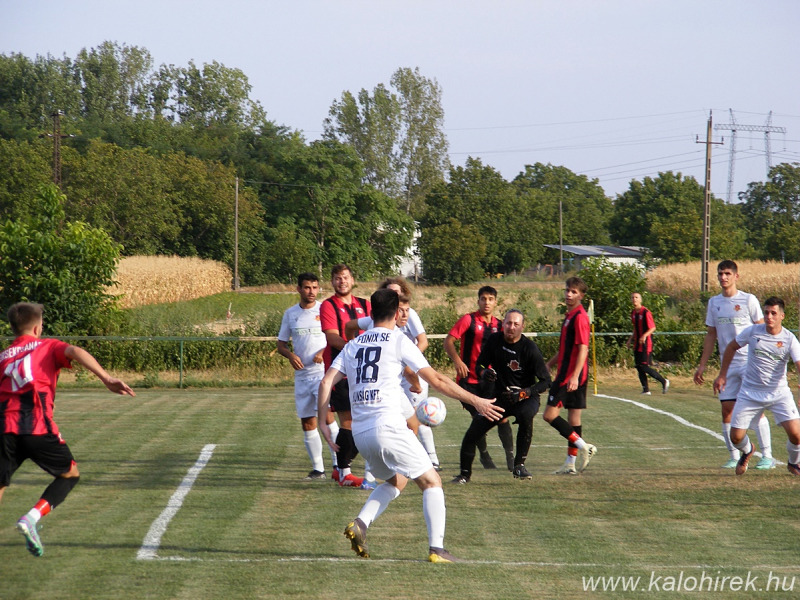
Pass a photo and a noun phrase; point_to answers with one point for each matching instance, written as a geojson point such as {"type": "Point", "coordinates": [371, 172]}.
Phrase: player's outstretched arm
{"type": "Point", "coordinates": [485, 407]}
{"type": "Point", "coordinates": [83, 357]}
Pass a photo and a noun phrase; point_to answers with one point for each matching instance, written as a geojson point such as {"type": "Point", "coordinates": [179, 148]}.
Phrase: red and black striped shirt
{"type": "Point", "coordinates": [29, 370]}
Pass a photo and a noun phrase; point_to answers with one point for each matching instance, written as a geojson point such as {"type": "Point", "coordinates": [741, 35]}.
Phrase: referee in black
{"type": "Point", "coordinates": [514, 365]}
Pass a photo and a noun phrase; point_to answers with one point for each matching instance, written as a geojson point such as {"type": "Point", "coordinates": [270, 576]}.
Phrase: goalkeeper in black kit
{"type": "Point", "coordinates": [513, 366]}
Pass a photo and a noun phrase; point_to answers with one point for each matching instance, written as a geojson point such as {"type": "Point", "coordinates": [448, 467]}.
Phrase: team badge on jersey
{"type": "Point", "coordinates": [514, 365]}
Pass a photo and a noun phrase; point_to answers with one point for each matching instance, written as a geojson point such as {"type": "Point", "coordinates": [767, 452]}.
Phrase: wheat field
{"type": "Point", "coordinates": [763, 279]}
{"type": "Point", "coordinates": [143, 280]}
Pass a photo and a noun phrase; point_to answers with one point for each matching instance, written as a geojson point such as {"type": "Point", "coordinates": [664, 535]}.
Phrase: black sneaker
{"type": "Point", "coordinates": [440, 555]}
{"type": "Point", "coordinates": [486, 461]}
{"type": "Point", "coordinates": [460, 479]}
{"type": "Point", "coordinates": [520, 472]}
{"type": "Point", "coordinates": [314, 476]}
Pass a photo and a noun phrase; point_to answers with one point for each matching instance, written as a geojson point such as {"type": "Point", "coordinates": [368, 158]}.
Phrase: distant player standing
{"type": "Point", "coordinates": [642, 341]}
{"type": "Point", "coordinates": [334, 314]}
{"type": "Point", "coordinates": [569, 386]}
{"type": "Point", "coordinates": [301, 325]}
{"type": "Point", "coordinates": [764, 385]}
{"type": "Point", "coordinates": [729, 313]}
{"type": "Point", "coordinates": [29, 370]}
{"type": "Point", "coordinates": [472, 330]}
{"type": "Point", "coordinates": [373, 363]}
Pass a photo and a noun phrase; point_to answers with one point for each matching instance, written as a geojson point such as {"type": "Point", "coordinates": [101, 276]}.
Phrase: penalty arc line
{"type": "Point", "coordinates": [152, 540]}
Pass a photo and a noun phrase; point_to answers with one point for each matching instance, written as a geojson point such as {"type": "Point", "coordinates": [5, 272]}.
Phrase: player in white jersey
{"type": "Point", "coordinates": [416, 389]}
{"type": "Point", "coordinates": [729, 313]}
{"type": "Point", "coordinates": [301, 325]}
{"type": "Point", "coordinates": [770, 347]}
{"type": "Point", "coordinates": [373, 363]}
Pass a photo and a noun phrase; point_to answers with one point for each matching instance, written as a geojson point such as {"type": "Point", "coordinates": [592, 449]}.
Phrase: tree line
{"type": "Point", "coordinates": [156, 152]}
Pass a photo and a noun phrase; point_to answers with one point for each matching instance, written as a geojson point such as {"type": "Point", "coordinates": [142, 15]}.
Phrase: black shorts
{"type": "Point", "coordinates": [340, 396]}
{"type": "Point", "coordinates": [472, 388]}
{"type": "Point", "coordinates": [560, 397]}
{"type": "Point", "coordinates": [50, 452]}
{"type": "Point", "coordinates": [642, 358]}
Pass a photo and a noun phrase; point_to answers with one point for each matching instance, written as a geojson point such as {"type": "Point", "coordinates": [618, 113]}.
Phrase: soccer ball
{"type": "Point", "coordinates": [431, 411]}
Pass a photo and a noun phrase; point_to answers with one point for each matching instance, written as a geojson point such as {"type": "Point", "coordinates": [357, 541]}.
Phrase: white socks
{"type": "Point", "coordinates": [334, 432]}
{"type": "Point", "coordinates": [377, 502]}
{"type": "Point", "coordinates": [425, 435]}
{"type": "Point", "coordinates": [313, 443]}
{"type": "Point", "coordinates": [726, 435]}
{"type": "Point", "coordinates": [434, 510]}
{"type": "Point", "coordinates": [764, 435]}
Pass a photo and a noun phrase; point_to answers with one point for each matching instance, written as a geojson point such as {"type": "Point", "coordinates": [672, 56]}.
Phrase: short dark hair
{"type": "Point", "coordinates": [487, 289]}
{"type": "Point", "coordinates": [728, 264]}
{"type": "Point", "coordinates": [577, 283]}
{"type": "Point", "coordinates": [512, 311]}
{"type": "Point", "coordinates": [775, 301]}
{"type": "Point", "coordinates": [384, 304]}
{"type": "Point", "coordinates": [306, 277]}
{"type": "Point", "coordinates": [24, 314]}
{"type": "Point", "coordinates": [341, 267]}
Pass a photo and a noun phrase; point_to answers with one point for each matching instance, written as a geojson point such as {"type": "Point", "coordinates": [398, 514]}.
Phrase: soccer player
{"type": "Point", "coordinates": [764, 385]}
{"type": "Point", "coordinates": [301, 325]}
{"type": "Point", "coordinates": [373, 363]}
{"type": "Point", "coordinates": [29, 370]}
{"type": "Point", "coordinates": [569, 387]}
{"type": "Point", "coordinates": [472, 330]}
{"type": "Point", "coordinates": [334, 314]}
{"type": "Point", "coordinates": [727, 314]}
{"type": "Point", "coordinates": [513, 365]}
{"type": "Point", "coordinates": [642, 341]}
{"type": "Point", "coordinates": [416, 389]}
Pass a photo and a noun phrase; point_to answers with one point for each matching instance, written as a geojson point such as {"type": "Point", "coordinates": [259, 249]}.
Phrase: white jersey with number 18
{"type": "Point", "coordinates": [373, 363]}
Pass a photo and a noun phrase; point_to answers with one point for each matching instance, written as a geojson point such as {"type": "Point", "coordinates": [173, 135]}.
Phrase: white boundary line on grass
{"type": "Point", "coordinates": [678, 418]}
{"type": "Point", "coordinates": [152, 540]}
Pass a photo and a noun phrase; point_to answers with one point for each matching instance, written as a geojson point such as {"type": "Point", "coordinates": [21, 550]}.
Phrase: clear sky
{"type": "Point", "coordinates": [613, 89]}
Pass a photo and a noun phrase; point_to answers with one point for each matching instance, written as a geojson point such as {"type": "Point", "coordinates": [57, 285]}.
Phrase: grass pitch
{"type": "Point", "coordinates": [654, 511]}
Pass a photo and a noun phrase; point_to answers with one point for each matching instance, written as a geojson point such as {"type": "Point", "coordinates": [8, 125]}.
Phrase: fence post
{"type": "Point", "coordinates": [180, 376]}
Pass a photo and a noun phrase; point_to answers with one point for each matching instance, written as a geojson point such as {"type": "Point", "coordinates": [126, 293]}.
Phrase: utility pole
{"type": "Point", "coordinates": [56, 135]}
{"type": "Point", "coordinates": [236, 239]}
{"type": "Point", "coordinates": [706, 210]}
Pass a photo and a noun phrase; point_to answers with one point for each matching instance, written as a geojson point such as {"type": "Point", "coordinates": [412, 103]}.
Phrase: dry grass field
{"type": "Point", "coordinates": [682, 281]}
{"type": "Point", "coordinates": [144, 280]}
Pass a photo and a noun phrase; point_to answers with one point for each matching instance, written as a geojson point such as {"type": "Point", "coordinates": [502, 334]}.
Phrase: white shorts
{"type": "Point", "coordinates": [733, 382]}
{"type": "Point", "coordinates": [390, 450]}
{"type": "Point", "coordinates": [415, 397]}
{"type": "Point", "coordinates": [306, 394]}
{"type": "Point", "coordinates": [751, 405]}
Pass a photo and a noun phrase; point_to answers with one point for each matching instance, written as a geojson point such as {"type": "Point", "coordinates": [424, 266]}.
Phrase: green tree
{"type": "Point", "coordinates": [451, 253]}
{"type": "Point", "coordinates": [477, 194]}
{"type": "Point", "coordinates": [398, 135]}
{"type": "Point", "coordinates": [664, 214]}
{"type": "Point", "coordinates": [67, 266]}
{"type": "Point", "coordinates": [772, 212]}
{"type": "Point", "coordinates": [555, 194]}
{"type": "Point", "coordinates": [24, 167]}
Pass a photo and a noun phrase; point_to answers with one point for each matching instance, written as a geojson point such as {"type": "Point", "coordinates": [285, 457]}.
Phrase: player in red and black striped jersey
{"type": "Point", "coordinates": [334, 313]}
{"type": "Point", "coordinates": [569, 386]}
{"type": "Point", "coordinates": [29, 370]}
{"type": "Point", "coordinates": [473, 329]}
{"type": "Point", "coordinates": [642, 341]}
